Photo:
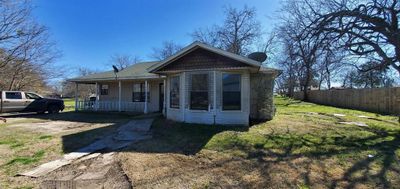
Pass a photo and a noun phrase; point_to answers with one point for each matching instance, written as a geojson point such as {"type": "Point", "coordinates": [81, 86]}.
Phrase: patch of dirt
{"type": "Point", "coordinates": [55, 127]}
{"type": "Point", "coordinates": [168, 170]}
{"type": "Point", "coordinates": [4, 150]}
{"type": "Point", "coordinates": [209, 169]}
{"type": "Point", "coordinates": [97, 172]}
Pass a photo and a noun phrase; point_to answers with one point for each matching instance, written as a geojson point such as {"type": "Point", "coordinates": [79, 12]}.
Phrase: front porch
{"type": "Point", "coordinates": [138, 96]}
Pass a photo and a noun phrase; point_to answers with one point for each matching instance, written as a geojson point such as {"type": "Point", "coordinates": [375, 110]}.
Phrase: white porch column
{"type": "Point", "coordinates": [76, 97]}
{"type": "Point", "coordinates": [165, 98]}
{"type": "Point", "coordinates": [215, 96]}
{"type": "Point", "coordinates": [145, 96]}
{"type": "Point", "coordinates": [96, 103]}
{"type": "Point", "coordinates": [119, 95]}
{"type": "Point", "coordinates": [215, 93]}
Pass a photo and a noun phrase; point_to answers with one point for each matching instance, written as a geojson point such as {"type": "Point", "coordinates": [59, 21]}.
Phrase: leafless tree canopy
{"type": "Point", "coordinates": [26, 54]}
{"type": "Point", "coordinates": [85, 90]}
{"type": "Point", "coordinates": [324, 40]}
{"type": "Point", "coordinates": [123, 61]}
{"type": "Point", "coordinates": [237, 34]}
{"type": "Point", "coordinates": [167, 49]}
{"type": "Point", "coordinates": [366, 28]}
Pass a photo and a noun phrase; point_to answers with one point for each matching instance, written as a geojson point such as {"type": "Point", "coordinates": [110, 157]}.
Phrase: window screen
{"type": "Point", "coordinates": [103, 89]}
{"type": "Point", "coordinates": [174, 93]}
{"type": "Point", "coordinates": [231, 97]}
{"type": "Point", "coordinates": [199, 92]}
{"type": "Point", "coordinates": [139, 94]}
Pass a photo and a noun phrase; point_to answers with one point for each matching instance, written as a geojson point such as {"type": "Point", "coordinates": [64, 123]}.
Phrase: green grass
{"type": "Point", "coordinates": [22, 148]}
{"type": "Point", "coordinates": [364, 155]}
{"type": "Point", "coordinates": [310, 129]}
{"type": "Point", "coordinates": [25, 160]}
{"type": "Point", "coordinates": [69, 104]}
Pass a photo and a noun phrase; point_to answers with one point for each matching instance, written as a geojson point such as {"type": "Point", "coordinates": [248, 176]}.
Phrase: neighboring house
{"type": "Point", "coordinates": [199, 84]}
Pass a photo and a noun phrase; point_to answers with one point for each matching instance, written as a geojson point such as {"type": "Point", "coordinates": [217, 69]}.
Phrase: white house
{"type": "Point", "coordinates": [199, 84]}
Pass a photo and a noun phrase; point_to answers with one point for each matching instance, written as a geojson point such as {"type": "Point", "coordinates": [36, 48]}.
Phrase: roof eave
{"type": "Point", "coordinates": [196, 45]}
{"type": "Point", "coordinates": [77, 80]}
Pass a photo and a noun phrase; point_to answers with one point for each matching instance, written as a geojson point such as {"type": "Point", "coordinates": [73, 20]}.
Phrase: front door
{"type": "Point", "coordinates": [161, 96]}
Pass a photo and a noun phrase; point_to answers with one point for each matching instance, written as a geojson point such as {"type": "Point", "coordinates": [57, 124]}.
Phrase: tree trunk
{"type": "Point", "coordinates": [306, 85]}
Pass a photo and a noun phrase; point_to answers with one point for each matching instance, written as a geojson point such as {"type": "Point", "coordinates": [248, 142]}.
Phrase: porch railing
{"type": "Point", "coordinates": [110, 106]}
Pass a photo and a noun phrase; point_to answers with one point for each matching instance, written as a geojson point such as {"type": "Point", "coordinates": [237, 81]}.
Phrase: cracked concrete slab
{"type": "Point", "coordinates": [128, 133]}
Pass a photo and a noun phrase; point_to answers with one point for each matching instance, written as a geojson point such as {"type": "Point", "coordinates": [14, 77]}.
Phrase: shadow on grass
{"type": "Point", "coordinates": [87, 117]}
{"type": "Point", "coordinates": [356, 151]}
{"type": "Point", "coordinates": [167, 137]}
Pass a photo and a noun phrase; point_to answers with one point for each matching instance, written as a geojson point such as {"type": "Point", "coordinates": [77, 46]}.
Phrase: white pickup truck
{"type": "Point", "coordinates": [18, 101]}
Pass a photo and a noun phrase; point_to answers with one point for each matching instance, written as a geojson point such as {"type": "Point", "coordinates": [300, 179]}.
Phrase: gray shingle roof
{"type": "Point", "coordinates": [136, 71]}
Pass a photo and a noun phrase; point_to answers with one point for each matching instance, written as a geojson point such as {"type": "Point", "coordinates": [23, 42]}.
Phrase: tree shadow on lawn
{"type": "Point", "coordinates": [167, 137]}
{"type": "Point", "coordinates": [86, 117]}
{"type": "Point", "coordinates": [84, 124]}
{"type": "Point", "coordinates": [365, 168]}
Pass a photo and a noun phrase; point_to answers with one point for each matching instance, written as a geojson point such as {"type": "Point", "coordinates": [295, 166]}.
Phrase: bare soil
{"type": "Point", "coordinates": [98, 172]}
{"type": "Point", "coordinates": [56, 127]}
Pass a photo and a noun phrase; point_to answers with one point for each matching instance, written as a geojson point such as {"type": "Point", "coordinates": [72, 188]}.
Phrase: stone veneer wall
{"type": "Point", "coordinates": [261, 96]}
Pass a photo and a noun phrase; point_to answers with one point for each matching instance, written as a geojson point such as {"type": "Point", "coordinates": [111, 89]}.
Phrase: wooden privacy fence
{"type": "Point", "coordinates": [380, 100]}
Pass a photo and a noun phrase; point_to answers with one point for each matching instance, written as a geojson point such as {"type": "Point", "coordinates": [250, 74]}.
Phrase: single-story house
{"type": "Point", "coordinates": [198, 84]}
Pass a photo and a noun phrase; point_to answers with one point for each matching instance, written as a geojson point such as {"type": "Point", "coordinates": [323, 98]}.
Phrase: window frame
{"type": "Point", "coordinates": [104, 92]}
{"type": "Point", "coordinates": [142, 92]}
{"type": "Point", "coordinates": [207, 108]}
{"type": "Point", "coordinates": [20, 94]}
{"type": "Point", "coordinates": [222, 92]}
{"type": "Point", "coordinates": [37, 97]}
{"type": "Point", "coordinates": [170, 92]}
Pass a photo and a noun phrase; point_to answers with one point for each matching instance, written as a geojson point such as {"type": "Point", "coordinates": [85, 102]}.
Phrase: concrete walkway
{"type": "Point", "coordinates": [131, 132]}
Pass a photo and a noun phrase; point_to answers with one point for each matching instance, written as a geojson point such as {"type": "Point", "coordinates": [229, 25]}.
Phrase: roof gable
{"type": "Point", "coordinates": [201, 56]}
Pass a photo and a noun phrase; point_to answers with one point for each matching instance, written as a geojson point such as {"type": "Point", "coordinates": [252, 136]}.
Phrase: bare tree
{"type": "Point", "coordinates": [26, 54]}
{"type": "Point", "coordinates": [123, 61]}
{"type": "Point", "coordinates": [237, 34]}
{"type": "Point", "coordinates": [68, 88]}
{"type": "Point", "coordinates": [168, 49]}
{"type": "Point", "coordinates": [302, 49]}
{"type": "Point", "coordinates": [366, 28]}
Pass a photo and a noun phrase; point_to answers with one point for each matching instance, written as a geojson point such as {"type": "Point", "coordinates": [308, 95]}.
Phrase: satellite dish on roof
{"type": "Point", "coordinates": [115, 69]}
{"type": "Point", "coordinates": [258, 56]}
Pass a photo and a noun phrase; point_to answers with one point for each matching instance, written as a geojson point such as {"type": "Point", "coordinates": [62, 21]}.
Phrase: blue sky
{"type": "Point", "coordinates": [88, 32]}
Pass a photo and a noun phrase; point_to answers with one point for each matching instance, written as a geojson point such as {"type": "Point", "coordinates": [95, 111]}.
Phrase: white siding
{"type": "Point", "coordinates": [127, 90]}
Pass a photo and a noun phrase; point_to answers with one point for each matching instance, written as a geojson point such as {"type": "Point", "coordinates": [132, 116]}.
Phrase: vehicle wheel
{"type": "Point", "coordinates": [53, 109]}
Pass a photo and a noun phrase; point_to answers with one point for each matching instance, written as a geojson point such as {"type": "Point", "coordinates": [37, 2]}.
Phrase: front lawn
{"type": "Point", "coordinates": [29, 140]}
{"type": "Point", "coordinates": [305, 146]}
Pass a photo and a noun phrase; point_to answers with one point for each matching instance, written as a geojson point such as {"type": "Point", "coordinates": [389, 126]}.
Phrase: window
{"type": "Point", "coordinates": [199, 92]}
{"type": "Point", "coordinates": [231, 98]}
{"type": "Point", "coordinates": [174, 93]}
{"type": "Point", "coordinates": [138, 94]}
{"type": "Point", "coordinates": [32, 96]}
{"type": "Point", "coordinates": [103, 89]}
{"type": "Point", "coordinates": [13, 95]}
